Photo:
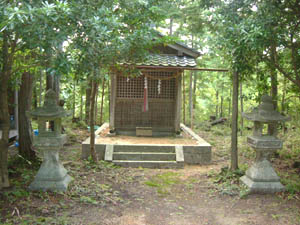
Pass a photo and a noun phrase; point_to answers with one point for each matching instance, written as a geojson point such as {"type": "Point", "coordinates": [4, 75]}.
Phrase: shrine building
{"type": "Point", "coordinates": [150, 104]}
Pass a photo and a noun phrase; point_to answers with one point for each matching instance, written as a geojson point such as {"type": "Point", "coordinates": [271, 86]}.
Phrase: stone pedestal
{"type": "Point", "coordinates": [262, 178]}
{"type": "Point", "coordinates": [51, 175]}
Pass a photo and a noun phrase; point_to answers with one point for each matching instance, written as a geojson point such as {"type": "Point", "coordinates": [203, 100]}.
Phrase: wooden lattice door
{"type": "Point", "coordinates": [129, 112]}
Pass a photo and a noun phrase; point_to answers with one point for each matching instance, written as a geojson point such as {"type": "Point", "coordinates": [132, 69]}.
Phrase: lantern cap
{"type": "Point", "coordinates": [50, 108]}
{"type": "Point", "coordinates": [265, 112]}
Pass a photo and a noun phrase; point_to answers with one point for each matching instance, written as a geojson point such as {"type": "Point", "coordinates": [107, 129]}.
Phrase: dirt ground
{"type": "Point", "coordinates": [108, 195]}
{"type": "Point", "coordinates": [103, 138]}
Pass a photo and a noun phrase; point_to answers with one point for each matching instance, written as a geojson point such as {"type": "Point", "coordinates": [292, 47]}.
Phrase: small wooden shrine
{"type": "Point", "coordinates": [149, 105]}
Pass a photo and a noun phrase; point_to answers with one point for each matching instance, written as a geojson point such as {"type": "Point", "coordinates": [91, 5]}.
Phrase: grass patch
{"type": "Point", "coordinates": [227, 182]}
{"type": "Point", "coordinates": [221, 130]}
{"type": "Point", "coordinates": [291, 183]}
{"type": "Point", "coordinates": [163, 182]}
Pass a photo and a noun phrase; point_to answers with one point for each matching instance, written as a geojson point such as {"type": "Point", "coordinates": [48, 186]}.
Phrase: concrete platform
{"type": "Point", "coordinates": [150, 151]}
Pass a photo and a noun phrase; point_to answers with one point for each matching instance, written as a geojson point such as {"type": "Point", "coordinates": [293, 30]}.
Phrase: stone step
{"type": "Point", "coordinates": [144, 148]}
{"type": "Point", "coordinates": [149, 164]}
{"type": "Point", "coordinates": [148, 156]}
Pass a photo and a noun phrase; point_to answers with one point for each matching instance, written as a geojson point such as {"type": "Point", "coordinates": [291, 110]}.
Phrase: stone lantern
{"type": "Point", "coordinates": [261, 177]}
{"type": "Point", "coordinates": [51, 175]}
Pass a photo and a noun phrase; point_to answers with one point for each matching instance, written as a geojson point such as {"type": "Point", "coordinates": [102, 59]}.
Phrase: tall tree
{"type": "Point", "coordinates": [102, 101]}
{"type": "Point", "coordinates": [227, 21]}
{"type": "Point", "coordinates": [88, 92]}
{"type": "Point", "coordinates": [234, 121]}
{"type": "Point", "coordinates": [92, 119]}
{"type": "Point", "coordinates": [74, 99]}
{"type": "Point", "coordinates": [8, 50]}
{"type": "Point", "coordinates": [25, 130]}
{"type": "Point", "coordinates": [242, 107]}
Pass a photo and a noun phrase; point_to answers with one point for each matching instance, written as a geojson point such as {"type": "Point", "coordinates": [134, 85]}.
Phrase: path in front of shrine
{"type": "Point", "coordinates": [182, 197]}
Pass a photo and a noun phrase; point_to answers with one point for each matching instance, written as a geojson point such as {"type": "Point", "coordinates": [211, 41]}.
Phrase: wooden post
{"type": "Point", "coordinates": [183, 102]}
{"type": "Point", "coordinates": [178, 103]}
{"type": "Point", "coordinates": [191, 100]}
{"type": "Point", "coordinates": [113, 92]}
{"type": "Point", "coordinates": [234, 123]}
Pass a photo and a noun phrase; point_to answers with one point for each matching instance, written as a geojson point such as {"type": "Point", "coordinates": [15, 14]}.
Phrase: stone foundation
{"type": "Point", "coordinates": [193, 154]}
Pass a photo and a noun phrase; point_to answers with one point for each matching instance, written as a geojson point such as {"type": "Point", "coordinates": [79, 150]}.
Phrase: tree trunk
{"type": "Point", "coordinates": [109, 93]}
{"type": "Point", "coordinates": [283, 110]}
{"type": "Point", "coordinates": [96, 106]}
{"type": "Point", "coordinates": [221, 106]}
{"type": "Point", "coordinates": [171, 27]}
{"type": "Point", "coordinates": [274, 88]}
{"type": "Point", "coordinates": [52, 82]}
{"type": "Point", "coordinates": [5, 73]}
{"type": "Point", "coordinates": [102, 101]}
{"type": "Point", "coordinates": [81, 105]}
{"type": "Point", "coordinates": [283, 96]}
{"type": "Point", "coordinates": [191, 100]}
{"type": "Point", "coordinates": [92, 122]}
{"type": "Point", "coordinates": [49, 81]}
{"type": "Point", "coordinates": [35, 99]}
{"type": "Point", "coordinates": [183, 92]}
{"type": "Point", "coordinates": [234, 122]}
{"type": "Point", "coordinates": [87, 101]}
{"type": "Point", "coordinates": [56, 87]}
{"type": "Point", "coordinates": [242, 108]}
{"type": "Point", "coordinates": [222, 100]}
{"type": "Point", "coordinates": [229, 104]}
{"type": "Point", "coordinates": [74, 98]}
{"type": "Point", "coordinates": [217, 105]}
{"type": "Point", "coordinates": [4, 122]}
{"type": "Point", "coordinates": [41, 90]}
{"type": "Point", "coordinates": [25, 130]}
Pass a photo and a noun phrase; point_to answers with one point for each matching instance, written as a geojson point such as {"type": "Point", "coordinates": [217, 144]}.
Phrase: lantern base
{"type": "Point", "coordinates": [262, 187]}
{"type": "Point", "coordinates": [49, 185]}
{"type": "Point", "coordinates": [262, 178]}
{"type": "Point", "coordinates": [52, 175]}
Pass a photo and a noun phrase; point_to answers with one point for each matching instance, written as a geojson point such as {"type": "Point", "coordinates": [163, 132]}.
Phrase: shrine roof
{"type": "Point", "coordinates": [182, 49]}
{"type": "Point", "coordinates": [166, 60]}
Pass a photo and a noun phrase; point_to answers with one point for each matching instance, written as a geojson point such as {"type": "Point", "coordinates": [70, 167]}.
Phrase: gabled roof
{"type": "Point", "coordinates": [168, 60]}
{"type": "Point", "coordinates": [185, 49]}
{"type": "Point", "coordinates": [170, 56]}
{"type": "Point", "coordinates": [182, 48]}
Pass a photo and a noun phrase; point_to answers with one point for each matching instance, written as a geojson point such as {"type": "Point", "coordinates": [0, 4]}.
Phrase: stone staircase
{"type": "Point", "coordinates": [146, 156]}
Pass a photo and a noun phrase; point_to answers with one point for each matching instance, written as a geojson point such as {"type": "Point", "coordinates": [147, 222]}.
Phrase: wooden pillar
{"type": "Point", "coordinates": [178, 103]}
{"type": "Point", "coordinates": [113, 92]}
